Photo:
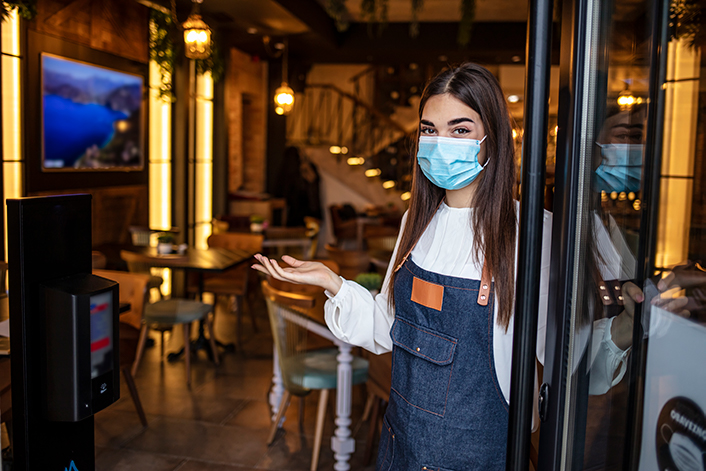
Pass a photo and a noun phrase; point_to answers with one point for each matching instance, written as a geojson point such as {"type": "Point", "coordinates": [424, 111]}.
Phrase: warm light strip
{"type": "Point", "coordinates": [678, 153]}
{"type": "Point", "coordinates": [160, 154]}
{"type": "Point", "coordinates": [204, 160]}
{"type": "Point", "coordinates": [13, 165]}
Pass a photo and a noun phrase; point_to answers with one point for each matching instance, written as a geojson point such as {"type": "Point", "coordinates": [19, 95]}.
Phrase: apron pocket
{"type": "Point", "coordinates": [422, 363]}
{"type": "Point", "coordinates": [386, 448]}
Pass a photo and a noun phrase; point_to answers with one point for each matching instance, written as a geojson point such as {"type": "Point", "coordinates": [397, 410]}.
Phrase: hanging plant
{"type": "Point", "coordinates": [414, 25]}
{"type": "Point", "coordinates": [468, 16]}
{"type": "Point", "coordinates": [27, 9]}
{"type": "Point", "coordinates": [214, 63]}
{"type": "Point", "coordinates": [686, 21]}
{"type": "Point", "coordinates": [336, 9]}
{"type": "Point", "coordinates": [375, 11]}
{"type": "Point", "coordinates": [162, 50]}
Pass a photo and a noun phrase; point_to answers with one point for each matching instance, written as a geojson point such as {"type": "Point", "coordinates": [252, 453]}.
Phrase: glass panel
{"type": "Point", "coordinates": [673, 432]}
{"type": "Point", "coordinates": [658, 418]}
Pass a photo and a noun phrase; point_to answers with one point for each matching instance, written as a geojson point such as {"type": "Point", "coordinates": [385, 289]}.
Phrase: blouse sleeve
{"type": "Point", "coordinates": [356, 317]}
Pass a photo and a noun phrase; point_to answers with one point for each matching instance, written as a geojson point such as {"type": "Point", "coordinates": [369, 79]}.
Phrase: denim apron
{"type": "Point", "coordinates": [446, 409]}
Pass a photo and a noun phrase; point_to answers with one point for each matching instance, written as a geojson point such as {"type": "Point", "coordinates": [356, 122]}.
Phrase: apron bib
{"type": "Point", "coordinates": [446, 409]}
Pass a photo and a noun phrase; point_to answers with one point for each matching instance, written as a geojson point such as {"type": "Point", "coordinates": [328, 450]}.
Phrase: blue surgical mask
{"type": "Point", "coordinates": [621, 168]}
{"type": "Point", "coordinates": [448, 162]}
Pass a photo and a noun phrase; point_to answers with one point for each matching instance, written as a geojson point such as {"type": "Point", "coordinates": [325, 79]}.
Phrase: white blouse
{"type": "Point", "coordinates": [446, 247]}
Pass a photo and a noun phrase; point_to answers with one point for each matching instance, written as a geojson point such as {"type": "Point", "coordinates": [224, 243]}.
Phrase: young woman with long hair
{"type": "Point", "coordinates": [447, 301]}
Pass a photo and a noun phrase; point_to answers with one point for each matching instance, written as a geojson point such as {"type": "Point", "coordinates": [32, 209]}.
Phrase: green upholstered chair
{"type": "Point", "coordinates": [176, 311]}
{"type": "Point", "coordinates": [303, 370]}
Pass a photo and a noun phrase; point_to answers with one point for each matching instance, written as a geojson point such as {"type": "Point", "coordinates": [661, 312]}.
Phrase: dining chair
{"type": "Point", "coordinates": [351, 262]}
{"type": "Point", "coordinates": [303, 369]}
{"type": "Point", "coordinates": [234, 282]}
{"type": "Point", "coordinates": [313, 228]}
{"type": "Point", "coordinates": [135, 264]}
{"type": "Point", "coordinates": [132, 288]}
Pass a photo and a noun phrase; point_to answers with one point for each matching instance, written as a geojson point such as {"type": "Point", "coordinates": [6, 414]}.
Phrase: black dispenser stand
{"type": "Point", "coordinates": [48, 238]}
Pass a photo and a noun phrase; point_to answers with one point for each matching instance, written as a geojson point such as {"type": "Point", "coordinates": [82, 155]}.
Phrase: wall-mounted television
{"type": "Point", "coordinates": [92, 117]}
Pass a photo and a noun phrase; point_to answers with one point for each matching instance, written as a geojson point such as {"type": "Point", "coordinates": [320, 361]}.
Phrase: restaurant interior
{"type": "Point", "coordinates": [285, 130]}
{"type": "Point", "coordinates": [209, 130]}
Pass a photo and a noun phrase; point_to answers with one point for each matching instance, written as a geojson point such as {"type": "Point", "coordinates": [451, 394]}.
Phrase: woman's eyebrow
{"type": "Point", "coordinates": [460, 120]}
{"type": "Point", "coordinates": [426, 123]}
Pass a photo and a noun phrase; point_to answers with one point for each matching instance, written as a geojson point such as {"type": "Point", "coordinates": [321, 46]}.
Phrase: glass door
{"type": "Point", "coordinates": [625, 366]}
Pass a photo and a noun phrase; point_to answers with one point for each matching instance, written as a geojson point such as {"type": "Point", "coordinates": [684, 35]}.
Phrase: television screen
{"type": "Point", "coordinates": [91, 117]}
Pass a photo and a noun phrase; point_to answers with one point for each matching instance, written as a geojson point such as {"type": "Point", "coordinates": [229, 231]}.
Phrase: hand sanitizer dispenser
{"type": "Point", "coordinates": [80, 338]}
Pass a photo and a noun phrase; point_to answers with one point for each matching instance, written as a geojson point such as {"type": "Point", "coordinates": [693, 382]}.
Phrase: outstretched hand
{"type": "Point", "coordinates": [300, 272]}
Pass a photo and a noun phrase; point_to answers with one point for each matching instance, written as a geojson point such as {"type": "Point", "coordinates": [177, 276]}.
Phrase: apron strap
{"type": "Point", "coordinates": [409, 252]}
{"type": "Point", "coordinates": [484, 290]}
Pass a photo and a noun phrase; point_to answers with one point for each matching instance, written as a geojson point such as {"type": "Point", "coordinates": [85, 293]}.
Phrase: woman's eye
{"type": "Point", "coordinates": [428, 131]}
{"type": "Point", "coordinates": [461, 131]}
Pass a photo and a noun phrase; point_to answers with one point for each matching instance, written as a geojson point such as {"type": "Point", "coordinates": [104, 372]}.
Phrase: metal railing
{"type": "Point", "coordinates": [328, 116]}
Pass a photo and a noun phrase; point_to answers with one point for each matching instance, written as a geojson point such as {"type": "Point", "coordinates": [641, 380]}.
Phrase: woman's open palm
{"type": "Point", "coordinates": [300, 272]}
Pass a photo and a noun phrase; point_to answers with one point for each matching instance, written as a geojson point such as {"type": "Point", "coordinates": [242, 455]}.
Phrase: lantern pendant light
{"type": "Point", "coordinates": [197, 34]}
{"type": "Point", "coordinates": [284, 95]}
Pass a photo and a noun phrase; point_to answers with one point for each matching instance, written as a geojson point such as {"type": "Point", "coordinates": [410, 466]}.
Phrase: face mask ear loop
{"type": "Point", "coordinates": [488, 159]}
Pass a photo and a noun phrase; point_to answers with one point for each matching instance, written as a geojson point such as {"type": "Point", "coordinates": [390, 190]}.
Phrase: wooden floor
{"type": "Point", "coordinates": [222, 422]}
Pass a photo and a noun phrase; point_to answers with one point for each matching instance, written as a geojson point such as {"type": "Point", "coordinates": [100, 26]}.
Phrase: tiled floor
{"type": "Point", "coordinates": [222, 422]}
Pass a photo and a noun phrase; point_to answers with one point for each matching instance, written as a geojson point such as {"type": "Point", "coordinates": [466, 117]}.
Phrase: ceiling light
{"type": "Point", "coordinates": [513, 98]}
{"type": "Point", "coordinates": [405, 196]}
{"type": "Point", "coordinates": [284, 95]}
{"type": "Point", "coordinates": [388, 184]}
{"type": "Point", "coordinates": [252, 30]}
{"type": "Point", "coordinates": [516, 59]}
{"type": "Point", "coordinates": [373, 172]}
{"type": "Point", "coordinates": [334, 150]}
{"type": "Point", "coordinates": [355, 161]}
{"type": "Point", "coordinates": [197, 34]}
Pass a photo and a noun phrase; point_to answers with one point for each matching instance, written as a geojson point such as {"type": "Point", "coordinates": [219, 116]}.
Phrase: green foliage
{"type": "Point", "coordinates": [162, 50]}
{"type": "Point", "coordinates": [686, 20]}
{"type": "Point", "coordinates": [468, 16]}
{"type": "Point", "coordinates": [165, 50]}
{"type": "Point", "coordinates": [165, 239]}
{"type": "Point", "coordinates": [214, 63]}
{"type": "Point", "coordinates": [369, 281]}
{"type": "Point", "coordinates": [336, 9]}
{"type": "Point", "coordinates": [414, 25]}
{"type": "Point", "coordinates": [26, 8]}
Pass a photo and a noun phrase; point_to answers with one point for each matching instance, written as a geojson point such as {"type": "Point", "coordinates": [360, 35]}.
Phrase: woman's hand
{"type": "Point", "coordinates": [300, 272]}
{"type": "Point", "coordinates": [621, 329]}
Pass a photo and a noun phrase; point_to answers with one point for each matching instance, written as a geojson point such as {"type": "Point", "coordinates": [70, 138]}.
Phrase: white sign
{"type": "Point", "coordinates": [674, 425]}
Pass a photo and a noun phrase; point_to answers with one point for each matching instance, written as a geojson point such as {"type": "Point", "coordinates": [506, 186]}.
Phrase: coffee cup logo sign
{"type": "Point", "coordinates": [72, 467]}
{"type": "Point", "coordinates": [681, 436]}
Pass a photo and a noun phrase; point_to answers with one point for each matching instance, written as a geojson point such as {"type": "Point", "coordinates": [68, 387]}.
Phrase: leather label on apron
{"type": "Point", "coordinates": [427, 294]}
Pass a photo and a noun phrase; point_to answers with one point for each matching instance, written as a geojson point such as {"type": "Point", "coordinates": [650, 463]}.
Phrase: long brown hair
{"type": "Point", "coordinates": [494, 218]}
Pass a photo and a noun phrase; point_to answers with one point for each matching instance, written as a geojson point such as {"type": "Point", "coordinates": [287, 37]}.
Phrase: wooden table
{"type": "Point", "coordinates": [342, 442]}
{"type": "Point", "coordinates": [212, 260]}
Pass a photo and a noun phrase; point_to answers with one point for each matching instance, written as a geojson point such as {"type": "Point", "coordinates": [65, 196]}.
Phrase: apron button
{"type": "Point", "coordinates": [482, 297]}
{"type": "Point", "coordinates": [417, 348]}
{"type": "Point", "coordinates": [485, 286]}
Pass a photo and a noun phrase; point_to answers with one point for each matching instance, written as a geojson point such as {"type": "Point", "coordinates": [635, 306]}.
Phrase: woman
{"type": "Point", "coordinates": [447, 301]}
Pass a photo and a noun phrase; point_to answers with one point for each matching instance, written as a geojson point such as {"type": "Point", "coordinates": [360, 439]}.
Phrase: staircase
{"type": "Point", "coordinates": [332, 126]}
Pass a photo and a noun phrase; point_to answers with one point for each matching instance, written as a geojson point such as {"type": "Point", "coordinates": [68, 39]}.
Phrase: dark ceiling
{"type": "Point", "coordinates": [313, 37]}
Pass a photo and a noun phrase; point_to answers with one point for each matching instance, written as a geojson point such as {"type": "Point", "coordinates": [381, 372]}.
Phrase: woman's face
{"type": "Point", "coordinates": [447, 116]}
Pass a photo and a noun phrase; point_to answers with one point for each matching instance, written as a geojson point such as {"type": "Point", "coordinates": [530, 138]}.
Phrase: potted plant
{"type": "Point", "coordinates": [165, 244]}
{"type": "Point", "coordinates": [370, 281]}
{"type": "Point", "coordinates": [257, 223]}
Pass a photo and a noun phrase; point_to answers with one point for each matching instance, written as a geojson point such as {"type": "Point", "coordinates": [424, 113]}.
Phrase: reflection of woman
{"type": "Point", "coordinates": [301, 188]}
{"type": "Point", "coordinates": [446, 306]}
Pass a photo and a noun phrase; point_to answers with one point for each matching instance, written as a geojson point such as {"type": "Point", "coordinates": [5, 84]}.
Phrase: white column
{"type": "Point", "coordinates": [277, 390]}
{"type": "Point", "coordinates": [342, 443]}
